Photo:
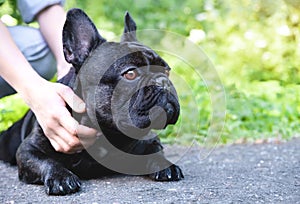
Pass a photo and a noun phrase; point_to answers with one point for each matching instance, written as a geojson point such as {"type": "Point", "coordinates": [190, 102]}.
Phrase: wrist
{"type": "Point", "coordinates": [62, 69]}
{"type": "Point", "coordinates": [30, 87]}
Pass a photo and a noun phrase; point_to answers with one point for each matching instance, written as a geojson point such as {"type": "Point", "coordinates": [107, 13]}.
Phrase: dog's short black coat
{"type": "Point", "coordinates": [98, 78]}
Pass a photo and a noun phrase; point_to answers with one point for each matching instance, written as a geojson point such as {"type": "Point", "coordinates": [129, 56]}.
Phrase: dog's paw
{"type": "Point", "coordinates": [62, 183]}
{"type": "Point", "coordinates": [172, 173]}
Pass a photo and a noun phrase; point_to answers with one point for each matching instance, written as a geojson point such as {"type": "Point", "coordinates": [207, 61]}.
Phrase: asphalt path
{"type": "Point", "coordinates": [248, 173]}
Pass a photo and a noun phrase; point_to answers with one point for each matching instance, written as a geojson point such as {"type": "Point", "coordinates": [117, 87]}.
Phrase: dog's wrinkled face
{"type": "Point", "coordinates": [125, 85]}
{"type": "Point", "coordinates": [141, 96]}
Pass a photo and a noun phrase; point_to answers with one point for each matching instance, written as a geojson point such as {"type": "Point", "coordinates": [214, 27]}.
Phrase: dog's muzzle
{"type": "Point", "coordinates": [154, 106]}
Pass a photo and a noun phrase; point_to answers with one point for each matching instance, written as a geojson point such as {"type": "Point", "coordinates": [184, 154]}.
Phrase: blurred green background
{"type": "Point", "coordinates": [253, 44]}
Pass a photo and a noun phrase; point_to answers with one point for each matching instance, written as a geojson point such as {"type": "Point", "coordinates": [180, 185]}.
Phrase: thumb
{"type": "Point", "coordinates": [67, 94]}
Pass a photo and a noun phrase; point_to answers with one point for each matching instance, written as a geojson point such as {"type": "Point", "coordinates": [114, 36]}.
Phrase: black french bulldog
{"type": "Point", "coordinates": [127, 92]}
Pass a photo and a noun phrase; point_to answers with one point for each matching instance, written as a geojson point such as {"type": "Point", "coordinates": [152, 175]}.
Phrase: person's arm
{"type": "Point", "coordinates": [47, 100]}
{"type": "Point", "coordinates": [51, 21]}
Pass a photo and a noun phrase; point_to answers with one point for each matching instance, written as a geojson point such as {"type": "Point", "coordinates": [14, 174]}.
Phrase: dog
{"type": "Point", "coordinates": [127, 91]}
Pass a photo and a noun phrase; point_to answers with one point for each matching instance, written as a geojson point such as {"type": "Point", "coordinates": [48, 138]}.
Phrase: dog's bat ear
{"type": "Point", "coordinates": [80, 37]}
{"type": "Point", "coordinates": [129, 29]}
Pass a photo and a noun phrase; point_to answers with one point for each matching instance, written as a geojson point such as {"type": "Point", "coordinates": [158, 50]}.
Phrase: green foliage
{"type": "Point", "coordinates": [254, 45]}
{"type": "Point", "coordinates": [263, 115]}
{"type": "Point", "coordinates": [9, 7]}
{"type": "Point", "coordinates": [12, 108]}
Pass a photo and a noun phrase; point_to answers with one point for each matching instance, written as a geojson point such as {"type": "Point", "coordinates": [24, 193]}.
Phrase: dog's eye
{"type": "Point", "coordinates": [131, 74]}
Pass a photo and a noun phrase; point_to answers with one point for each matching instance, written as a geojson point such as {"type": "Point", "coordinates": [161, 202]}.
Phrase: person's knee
{"type": "Point", "coordinates": [45, 66]}
{"type": "Point", "coordinates": [33, 46]}
{"type": "Point", "coordinates": [35, 49]}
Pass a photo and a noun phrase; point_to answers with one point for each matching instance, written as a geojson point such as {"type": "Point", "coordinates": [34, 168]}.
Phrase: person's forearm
{"type": "Point", "coordinates": [51, 21]}
{"type": "Point", "coordinates": [14, 67]}
{"type": "Point", "coordinates": [46, 99]}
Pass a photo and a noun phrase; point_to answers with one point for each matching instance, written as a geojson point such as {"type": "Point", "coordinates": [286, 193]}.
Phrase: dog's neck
{"type": "Point", "coordinates": [119, 140]}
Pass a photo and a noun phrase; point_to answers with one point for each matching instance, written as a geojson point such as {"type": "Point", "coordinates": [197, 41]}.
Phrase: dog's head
{"type": "Point", "coordinates": [124, 84]}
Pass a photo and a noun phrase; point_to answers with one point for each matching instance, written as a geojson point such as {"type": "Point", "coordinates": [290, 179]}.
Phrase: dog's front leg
{"type": "Point", "coordinates": [163, 169]}
{"type": "Point", "coordinates": [36, 167]}
{"type": "Point", "coordinates": [172, 172]}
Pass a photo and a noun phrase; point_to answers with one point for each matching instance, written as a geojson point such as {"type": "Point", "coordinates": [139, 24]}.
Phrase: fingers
{"type": "Point", "coordinates": [63, 141]}
{"type": "Point", "coordinates": [62, 146]}
{"type": "Point", "coordinates": [86, 132]}
{"type": "Point", "coordinates": [87, 135]}
{"type": "Point", "coordinates": [63, 131]}
{"type": "Point", "coordinates": [70, 144]}
{"type": "Point", "coordinates": [72, 137]}
{"type": "Point", "coordinates": [67, 121]}
{"type": "Point", "coordinates": [67, 94]}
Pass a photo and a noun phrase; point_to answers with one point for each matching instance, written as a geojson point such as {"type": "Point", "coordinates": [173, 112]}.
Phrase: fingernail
{"type": "Point", "coordinates": [81, 106]}
{"type": "Point", "coordinates": [99, 134]}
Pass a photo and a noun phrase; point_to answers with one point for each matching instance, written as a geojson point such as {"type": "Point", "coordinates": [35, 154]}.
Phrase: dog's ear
{"type": "Point", "coordinates": [80, 37]}
{"type": "Point", "coordinates": [129, 29]}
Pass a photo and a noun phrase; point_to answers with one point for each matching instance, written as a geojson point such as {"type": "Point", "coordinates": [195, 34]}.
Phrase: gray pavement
{"type": "Point", "coordinates": [265, 173]}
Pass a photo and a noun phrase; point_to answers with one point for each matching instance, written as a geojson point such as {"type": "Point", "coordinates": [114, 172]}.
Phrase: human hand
{"type": "Point", "coordinates": [48, 102]}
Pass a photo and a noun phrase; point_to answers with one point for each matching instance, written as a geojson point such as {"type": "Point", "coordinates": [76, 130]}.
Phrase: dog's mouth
{"type": "Point", "coordinates": [157, 118]}
{"type": "Point", "coordinates": [153, 107]}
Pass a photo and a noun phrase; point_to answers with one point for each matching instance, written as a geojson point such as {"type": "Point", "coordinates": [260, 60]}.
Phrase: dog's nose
{"type": "Point", "coordinates": [163, 82]}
